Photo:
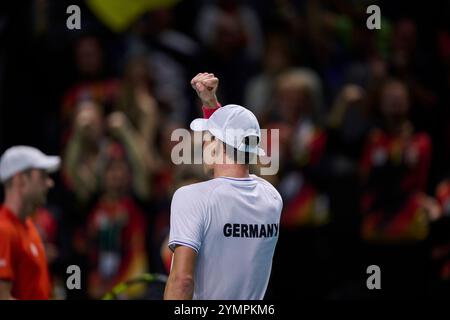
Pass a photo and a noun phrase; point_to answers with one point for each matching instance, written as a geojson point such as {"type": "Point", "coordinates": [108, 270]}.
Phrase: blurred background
{"type": "Point", "coordinates": [364, 119]}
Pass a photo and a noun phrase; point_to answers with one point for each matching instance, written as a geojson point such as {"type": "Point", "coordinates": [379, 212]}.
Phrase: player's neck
{"type": "Point", "coordinates": [17, 206]}
{"type": "Point", "coordinates": [231, 170]}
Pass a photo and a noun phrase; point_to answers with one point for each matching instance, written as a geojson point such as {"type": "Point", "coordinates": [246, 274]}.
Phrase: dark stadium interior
{"type": "Point", "coordinates": [364, 119]}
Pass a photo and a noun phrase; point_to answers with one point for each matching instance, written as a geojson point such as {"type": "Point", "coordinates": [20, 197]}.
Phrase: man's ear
{"type": "Point", "coordinates": [214, 147]}
{"type": "Point", "coordinates": [219, 152]}
{"type": "Point", "coordinates": [216, 150]}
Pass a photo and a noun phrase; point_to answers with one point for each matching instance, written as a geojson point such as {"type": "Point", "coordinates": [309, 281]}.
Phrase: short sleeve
{"type": "Point", "coordinates": [6, 268]}
{"type": "Point", "coordinates": [187, 219]}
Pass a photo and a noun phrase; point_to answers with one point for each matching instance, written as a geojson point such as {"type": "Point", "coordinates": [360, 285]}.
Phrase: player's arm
{"type": "Point", "coordinates": [188, 220]}
{"type": "Point", "coordinates": [180, 285]}
{"type": "Point", "coordinates": [5, 290]}
{"type": "Point", "coordinates": [205, 85]}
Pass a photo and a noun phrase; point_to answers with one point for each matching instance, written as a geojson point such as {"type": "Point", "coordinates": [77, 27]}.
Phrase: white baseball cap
{"type": "Point", "coordinates": [232, 124]}
{"type": "Point", "coordinates": [20, 158]}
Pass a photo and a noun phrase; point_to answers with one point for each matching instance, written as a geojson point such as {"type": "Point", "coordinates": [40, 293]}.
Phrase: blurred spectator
{"type": "Point", "coordinates": [415, 66]}
{"type": "Point", "coordinates": [394, 169]}
{"type": "Point", "coordinates": [116, 229]}
{"type": "Point", "coordinates": [171, 58]}
{"type": "Point", "coordinates": [92, 81]}
{"type": "Point", "coordinates": [231, 25]}
{"type": "Point", "coordinates": [348, 124]}
{"type": "Point", "coordinates": [260, 89]}
{"type": "Point", "coordinates": [86, 151]}
{"type": "Point", "coordinates": [299, 111]}
{"type": "Point", "coordinates": [301, 184]}
{"type": "Point", "coordinates": [232, 34]}
{"type": "Point", "coordinates": [137, 101]}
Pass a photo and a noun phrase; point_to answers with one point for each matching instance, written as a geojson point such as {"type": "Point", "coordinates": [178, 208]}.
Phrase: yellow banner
{"type": "Point", "coordinates": [118, 15]}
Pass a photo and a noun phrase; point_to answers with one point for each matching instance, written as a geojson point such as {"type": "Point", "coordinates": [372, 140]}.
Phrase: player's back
{"type": "Point", "coordinates": [239, 221]}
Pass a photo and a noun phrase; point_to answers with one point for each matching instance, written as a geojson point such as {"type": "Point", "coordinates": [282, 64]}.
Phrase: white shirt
{"type": "Point", "coordinates": [233, 225]}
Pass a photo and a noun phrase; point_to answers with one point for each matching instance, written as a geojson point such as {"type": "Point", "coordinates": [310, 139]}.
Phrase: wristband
{"type": "Point", "coordinates": [207, 112]}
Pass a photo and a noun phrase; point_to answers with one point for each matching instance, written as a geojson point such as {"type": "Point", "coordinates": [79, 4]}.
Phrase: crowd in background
{"type": "Point", "coordinates": [364, 120]}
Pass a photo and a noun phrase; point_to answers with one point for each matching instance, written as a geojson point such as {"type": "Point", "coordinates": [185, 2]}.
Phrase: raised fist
{"type": "Point", "coordinates": [205, 84]}
{"type": "Point", "coordinates": [117, 122]}
{"type": "Point", "coordinates": [88, 119]}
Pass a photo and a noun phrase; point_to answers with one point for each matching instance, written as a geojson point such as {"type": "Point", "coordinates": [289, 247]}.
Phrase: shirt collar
{"type": "Point", "coordinates": [10, 214]}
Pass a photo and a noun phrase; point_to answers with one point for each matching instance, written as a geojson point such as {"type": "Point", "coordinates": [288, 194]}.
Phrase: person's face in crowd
{"type": "Point", "coordinates": [394, 100]}
{"type": "Point", "coordinates": [293, 103]}
{"type": "Point", "coordinates": [35, 185]}
{"type": "Point", "coordinates": [90, 121]}
{"type": "Point", "coordinates": [89, 57]}
{"type": "Point", "coordinates": [117, 177]}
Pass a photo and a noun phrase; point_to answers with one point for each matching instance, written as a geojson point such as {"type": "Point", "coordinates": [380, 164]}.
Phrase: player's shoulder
{"type": "Point", "coordinates": [268, 186]}
{"type": "Point", "coordinates": [196, 191]}
{"type": "Point", "coordinates": [7, 227]}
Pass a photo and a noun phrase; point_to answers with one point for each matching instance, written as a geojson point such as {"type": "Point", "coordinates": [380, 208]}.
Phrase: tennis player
{"type": "Point", "coordinates": [223, 232]}
{"type": "Point", "coordinates": [24, 172]}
